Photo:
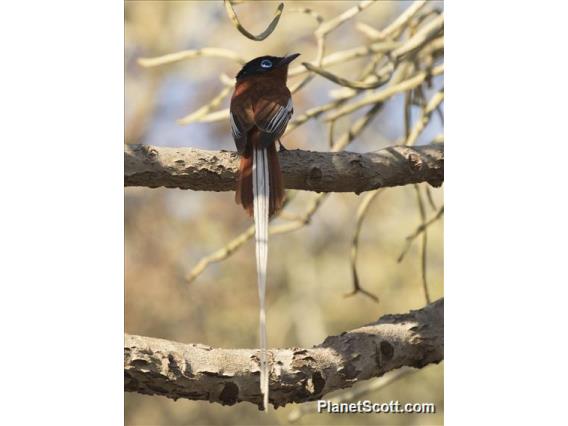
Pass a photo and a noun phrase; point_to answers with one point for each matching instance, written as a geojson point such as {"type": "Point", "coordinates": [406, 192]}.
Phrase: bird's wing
{"type": "Point", "coordinates": [241, 117]}
{"type": "Point", "coordinates": [239, 132]}
{"type": "Point", "coordinates": [271, 114]}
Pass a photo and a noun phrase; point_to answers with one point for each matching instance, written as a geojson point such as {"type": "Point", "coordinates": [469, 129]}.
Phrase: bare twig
{"type": "Point", "coordinates": [307, 11]}
{"type": "Point", "coordinates": [310, 114]}
{"type": "Point", "coordinates": [421, 124]}
{"type": "Point", "coordinates": [190, 54]}
{"type": "Point", "coordinates": [401, 20]}
{"type": "Point", "coordinates": [424, 247]}
{"type": "Point", "coordinates": [304, 219]}
{"type": "Point", "coordinates": [356, 128]}
{"type": "Point", "coordinates": [332, 24]}
{"type": "Point", "coordinates": [206, 109]}
{"type": "Point", "coordinates": [361, 211]}
{"type": "Point", "coordinates": [421, 228]}
{"type": "Point", "coordinates": [430, 199]}
{"type": "Point", "coordinates": [382, 78]}
{"type": "Point", "coordinates": [219, 255]}
{"type": "Point", "coordinates": [331, 134]}
{"type": "Point", "coordinates": [271, 27]}
{"type": "Point", "coordinates": [221, 115]}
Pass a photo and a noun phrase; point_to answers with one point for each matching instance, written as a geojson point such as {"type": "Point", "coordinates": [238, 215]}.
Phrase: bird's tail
{"type": "Point", "coordinates": [244, 194]}
{"type": "Point", "coordinates": [261, 193]}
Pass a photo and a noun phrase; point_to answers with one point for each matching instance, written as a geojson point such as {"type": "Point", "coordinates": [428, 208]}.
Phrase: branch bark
{"type": "Point", "coordinates": [201, 170]}
{"type": "Point", "coordinates": [227, 376]}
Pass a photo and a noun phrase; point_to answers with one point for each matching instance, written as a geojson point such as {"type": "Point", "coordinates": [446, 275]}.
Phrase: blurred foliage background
{"type": "Point", "coordinates": [167, 231]}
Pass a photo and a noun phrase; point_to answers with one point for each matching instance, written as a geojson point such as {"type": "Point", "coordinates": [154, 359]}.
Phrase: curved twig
{"type": "Point", "coordinates": [350, 83]}
{"type": "Point", "coordinates": [205, 109]}
{"type": "Point", "coordinates": [361, 211]}
{"type": "Point", "coordinates": [271, 27]}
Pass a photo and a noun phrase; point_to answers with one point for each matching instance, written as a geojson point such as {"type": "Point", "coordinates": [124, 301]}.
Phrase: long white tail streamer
{"type": "Point", "coordinates": [261, 194]}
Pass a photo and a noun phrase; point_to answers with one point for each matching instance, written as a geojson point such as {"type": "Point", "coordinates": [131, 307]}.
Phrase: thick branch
{"type": "Point", "coordinates": [227, 376]}
{"type": "Point", "coordinates": [201, 170]}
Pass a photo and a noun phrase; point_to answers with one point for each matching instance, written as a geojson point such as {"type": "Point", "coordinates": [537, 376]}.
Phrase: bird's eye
{"type": "Point", "coordinates": [266, 63]}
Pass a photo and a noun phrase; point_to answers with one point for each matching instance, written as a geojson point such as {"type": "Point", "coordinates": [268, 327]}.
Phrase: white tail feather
{"type": "Point", "coordinates": [261, 194]}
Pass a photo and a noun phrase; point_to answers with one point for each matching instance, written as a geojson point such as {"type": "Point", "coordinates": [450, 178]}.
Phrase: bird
{"type": "Point", "coordinates": [261, 107]}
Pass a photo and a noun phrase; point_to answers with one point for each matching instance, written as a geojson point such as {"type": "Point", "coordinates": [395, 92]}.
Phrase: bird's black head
{"type": "Point", "coordinates": [265, 64]}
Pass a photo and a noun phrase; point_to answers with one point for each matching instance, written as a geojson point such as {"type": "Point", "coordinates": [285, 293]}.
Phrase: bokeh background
{"type": "Point", "coordinates": [167, 231]}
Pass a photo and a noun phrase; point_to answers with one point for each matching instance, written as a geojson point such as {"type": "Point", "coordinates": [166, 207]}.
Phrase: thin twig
{"type": "Point", "coordinates": [221, 115]}
{"type": "Point", "coordinates": [190, 54]}
{"type": "Point", "coordinates": [320, 40]}
{"type": "Point", "coordinates": [430, 199]}
{"type": "Point", "coordinates": [271, 27]}
{"type": "Point", "coordinates": [307, 11]}
{"type": "Point", "coordinates": [401, 20]}
{"type": "Point", "coordinates": [361, 212]}
{"type": "Point", "coordinates": [356, 128]}
{"type": "Point", "coordinates": [421, 228]}
{"type": "Point", "coordinates": [424, 246]}
{"type": "Point", "coordinates": [331, 134]}
{"type": "Point", "coordinates": [421, 124]}
{"type": "Point", "coordinates": [304, 219]}
{"type": "Point", "coordinates": [383, 78]}
{"type": "Point", "coordinates": [332, 24]}
{"type": "Point", "coordinates": [205, 109]}
{"type": "Point", "coordinates": [219, 255]}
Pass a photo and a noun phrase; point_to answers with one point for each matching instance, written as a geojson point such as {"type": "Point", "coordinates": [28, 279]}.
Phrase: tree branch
{"type": "Point", "coordinates": [201, 170]}
{"type": "Point", "coordinates": [227, 376]}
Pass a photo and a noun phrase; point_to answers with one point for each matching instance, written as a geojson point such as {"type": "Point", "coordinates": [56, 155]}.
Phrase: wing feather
{"type": "Point", "coordinates": [239, 131]}
{"type": "Point", "coordinates": [271, 117]}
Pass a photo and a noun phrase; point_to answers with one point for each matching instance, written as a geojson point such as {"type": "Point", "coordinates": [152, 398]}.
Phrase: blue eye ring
{"type": "Point", "coordinates": [266, 63]}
